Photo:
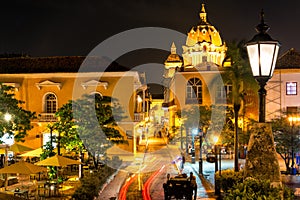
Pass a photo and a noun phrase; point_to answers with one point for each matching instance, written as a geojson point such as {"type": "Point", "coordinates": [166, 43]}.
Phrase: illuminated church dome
{"type": "Point", "coordinates": [203, 43]}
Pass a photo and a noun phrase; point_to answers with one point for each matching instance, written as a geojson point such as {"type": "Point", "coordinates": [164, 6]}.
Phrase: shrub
{"type": "Point", "coordinates": [91, 184]}
{"type": "Point", "coordinates": [229, 178]}
{"type": "Point", "coordinates": [252, 189]}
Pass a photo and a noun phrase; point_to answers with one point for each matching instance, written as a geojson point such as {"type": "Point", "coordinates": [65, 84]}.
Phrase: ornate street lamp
{"type": "Point", "coordinates": [194, 133]}
{"type": "Point", "coordinates": [200, 153]}
{"type": "Point", "coordinates": [262, 51]}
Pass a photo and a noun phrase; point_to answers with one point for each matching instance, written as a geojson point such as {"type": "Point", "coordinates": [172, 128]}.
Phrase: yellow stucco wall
{"type": "Point", "coordinates": [121, 85]}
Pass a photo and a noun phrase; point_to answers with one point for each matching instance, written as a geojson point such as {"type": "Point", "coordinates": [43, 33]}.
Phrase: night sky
{"type": "Point", "coordinates": [75, 27]}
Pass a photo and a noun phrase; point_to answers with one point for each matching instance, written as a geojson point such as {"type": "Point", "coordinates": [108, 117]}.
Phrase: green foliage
{"type": "Point", "coordinates": [20, 121]}
{"type": "Point", "coordinates": [91, 184]}
{"type": "Point", "coordinates": [239, 74]}
{"type": "Point", "coordinates": [89, 124]}
{"type": "Point", "coordinates": [196, 116]}
{"type": "Point", "coordinates": [229, 178]}
{"type": "Point", "coordinates": [48, 152]}
{"type": "Point", "coordinates": [286, 138]}
{"type": "Point", "coordinates": [288, 193]}
{"type": "Point", "coordinates": [252, 189]}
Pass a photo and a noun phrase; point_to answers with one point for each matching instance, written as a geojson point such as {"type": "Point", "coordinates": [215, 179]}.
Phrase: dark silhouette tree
{"type": "Point", "coordinates": [238, 75]}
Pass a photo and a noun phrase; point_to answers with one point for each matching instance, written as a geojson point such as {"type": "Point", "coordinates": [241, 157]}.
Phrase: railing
{"type": "Point", "coordinates": [138, 117]}
{"type": "Point", "coordinates": [46, 117]}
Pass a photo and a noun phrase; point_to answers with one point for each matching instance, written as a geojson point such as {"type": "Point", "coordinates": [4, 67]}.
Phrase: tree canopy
{"type": "Point", "coordinates": [19, 119]}
{"type": "Point", "coordinates": [89, 123]}
{"type": "Point", "coordinates": [286, 138]}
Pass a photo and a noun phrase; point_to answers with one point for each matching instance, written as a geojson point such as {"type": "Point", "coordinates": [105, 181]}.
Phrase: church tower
{"type": "Point", "coordinates": [172, 63]}
{"type": "Point", "coordinates": [187, 77]}
{"type": "Point", "coordinates": [203, 44]}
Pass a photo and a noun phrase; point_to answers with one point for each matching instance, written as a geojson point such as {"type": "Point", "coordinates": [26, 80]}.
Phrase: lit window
{"type": "Point", "coordinates": [194, 91]}
{"type": "Point", "coordinates": [50, 103]}
{"type": "Point", "coordinates": [223, 94]}
{"type": "Point", "coordinates": [291, 88]}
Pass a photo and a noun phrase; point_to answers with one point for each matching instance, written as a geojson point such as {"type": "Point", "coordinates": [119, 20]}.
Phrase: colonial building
{"type": "Point", "coordinates": [47, 83]}
{"type": "Point", "coordinates": [195, 77]}
{"type": "Point", "coordinates": [283, 94]}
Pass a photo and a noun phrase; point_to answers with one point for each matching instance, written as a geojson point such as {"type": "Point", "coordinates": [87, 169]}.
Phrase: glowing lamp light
{"type": "Point", "coordinates": [216, 138]}
{"type": "Point", "coordinates": [195, 131]}
{"type": "Point", "coordinates": [139, 99]}
{"type": "Point", "coordinates": [7, 117]}
{"type": "Point", "coordinates": [262, 52]}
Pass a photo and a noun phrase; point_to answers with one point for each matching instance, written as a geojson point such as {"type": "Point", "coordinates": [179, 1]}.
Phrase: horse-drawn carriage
{"type": "Point", "coordinates": [178, 187]}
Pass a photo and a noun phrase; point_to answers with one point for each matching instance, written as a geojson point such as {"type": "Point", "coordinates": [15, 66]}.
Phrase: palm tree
{"type": "Point", "coordinates": [240, 77]}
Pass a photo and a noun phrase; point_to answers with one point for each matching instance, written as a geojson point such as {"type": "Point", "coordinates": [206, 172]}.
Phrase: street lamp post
{"type": "Point", "coordinates": [216, 150]}
{"type": "Point", "coordinates": [200, 153]}
{"type": "Point", "coordinates": [262, 51]}
{"type": "Point", "coordinates": [194, 133]}
{"type": "Point", "coordinates": [181, 138]}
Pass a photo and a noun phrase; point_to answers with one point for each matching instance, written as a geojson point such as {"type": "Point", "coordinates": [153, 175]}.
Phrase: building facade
{"type": "Point", "coordinates": [46, 84]}
{"type": "Point", "coordinates": [195, 77]}
{"type": "Point", "coordinates": [283, 88]}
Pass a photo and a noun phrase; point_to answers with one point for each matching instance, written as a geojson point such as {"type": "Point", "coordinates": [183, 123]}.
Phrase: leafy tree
{"type": "Point", "coordinates": [286, 137]}
{"type": "Point", "coordinates": [20, 120]}
{"type": "Point", "coordinates": [208, 118]}
{"type": "Point", "coordinates": [89, 123]}
{"type": "Point", "coordinates": [240, 77]}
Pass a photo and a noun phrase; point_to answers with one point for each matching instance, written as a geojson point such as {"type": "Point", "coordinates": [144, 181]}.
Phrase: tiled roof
{"type": "Point", "coordinates": [289, 60]}
{"type": "Point", "coordinates": [57, 64]}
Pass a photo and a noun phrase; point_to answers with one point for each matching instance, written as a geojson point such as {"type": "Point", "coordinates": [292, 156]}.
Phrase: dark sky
{"type": "Point", "coordinates": [75, 27]}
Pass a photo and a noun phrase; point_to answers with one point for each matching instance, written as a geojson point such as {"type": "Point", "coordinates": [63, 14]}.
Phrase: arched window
{"type": "Point", "coordinates": [50, 103]}
{"type": "Point", "coordinates": [224, 94]}
{"type": "Point", "coordinates": [194, 91]}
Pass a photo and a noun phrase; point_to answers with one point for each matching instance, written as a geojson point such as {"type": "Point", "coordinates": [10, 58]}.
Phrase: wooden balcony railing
{"type": "Point", "coordinates": [46, 117]}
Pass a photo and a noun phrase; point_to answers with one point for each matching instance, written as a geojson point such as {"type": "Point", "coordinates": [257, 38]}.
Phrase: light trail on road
{"type": "Point", "coordinates": [146, 189]}
{"type": "Point", "coordinates": [123, 191]}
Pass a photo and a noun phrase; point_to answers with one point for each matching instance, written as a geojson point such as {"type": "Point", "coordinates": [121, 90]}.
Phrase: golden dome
{"type": "Point", "coordinates": [203, 32]}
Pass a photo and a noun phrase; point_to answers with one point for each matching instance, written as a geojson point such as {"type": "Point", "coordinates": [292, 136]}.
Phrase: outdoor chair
{"type": "Point", "coordinates": [33, 192]}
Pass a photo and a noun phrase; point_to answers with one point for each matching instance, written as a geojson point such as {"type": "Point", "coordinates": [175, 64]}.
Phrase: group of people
{"type": "Point", "coordinates": [191, 179]}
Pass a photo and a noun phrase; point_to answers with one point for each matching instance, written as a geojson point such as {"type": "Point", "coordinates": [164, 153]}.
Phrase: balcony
{"type": "Point", "coordinates": [46, 117]}
{"type": "Point", "coordinates": [138, 117]}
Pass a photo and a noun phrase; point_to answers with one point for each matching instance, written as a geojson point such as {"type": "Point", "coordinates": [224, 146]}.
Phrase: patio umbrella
{"type": "Point", "coordinates": [22, 167]}
{"type": "Point", "coordinates": [18, 148]}
{"type": "Point", "coordinates": [58, 161]}
{"type": "Point", "coordinates": [34, 153]}
{"type": "Point", "coordinates": [37, 152]}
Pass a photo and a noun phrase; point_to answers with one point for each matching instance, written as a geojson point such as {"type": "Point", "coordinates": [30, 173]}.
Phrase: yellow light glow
{"type": "Point", "coordinates": [139, 99]}
{"type": "Point", "coordinates": [216, 138]}
{"type": "Point", "coordinates": [7, 117]}
{"type": "Point", "coordinates": [294, 119]}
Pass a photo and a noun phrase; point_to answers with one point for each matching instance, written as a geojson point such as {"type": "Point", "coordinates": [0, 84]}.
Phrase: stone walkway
{"type": "Point", "coordinates": [111, 190]}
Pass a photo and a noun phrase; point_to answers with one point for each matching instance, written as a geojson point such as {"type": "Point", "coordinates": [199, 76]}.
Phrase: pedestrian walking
{"type": "Point", "coordinates": [182, 161]}
{"type": "Point", "coordinates": [193, 185]}
{"type": "Point", "coordinates": [159, 134]}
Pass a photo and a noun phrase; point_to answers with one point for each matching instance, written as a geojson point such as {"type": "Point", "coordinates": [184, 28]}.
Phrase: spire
{"type": "Point", "coordinates": [203, 13]}
{"type": "Point", "coordinates": [173, 48]}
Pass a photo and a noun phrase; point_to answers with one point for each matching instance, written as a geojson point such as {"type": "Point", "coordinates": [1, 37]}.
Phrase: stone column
{"type": "Point", "coordinates": [261, 160]}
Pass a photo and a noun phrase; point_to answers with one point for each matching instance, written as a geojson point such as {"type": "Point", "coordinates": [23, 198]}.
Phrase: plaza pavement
{"type": "Point", "coordinates": [205, 183]}
{"type": "Point", "coordinates": [112, 188]}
